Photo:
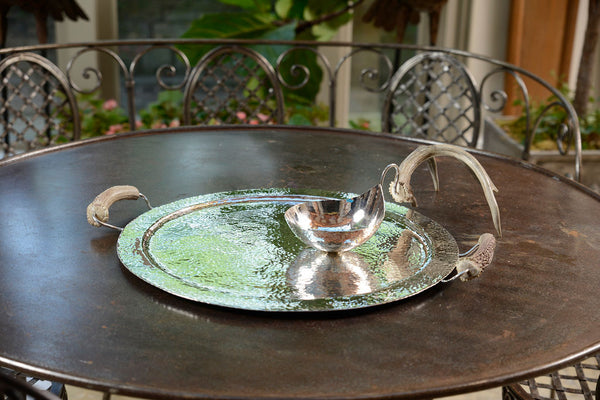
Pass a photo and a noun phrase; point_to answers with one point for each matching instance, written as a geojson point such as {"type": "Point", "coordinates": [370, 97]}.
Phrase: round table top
{"type": "Point", "coordinates": [70, 311]}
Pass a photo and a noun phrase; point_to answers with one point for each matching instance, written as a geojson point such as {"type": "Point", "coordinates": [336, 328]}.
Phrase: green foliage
{"type": "Point", "coordinates": [314, 9]}
{"type": "Point", "coordinates": [165, 111]}
{"type": "Point", "coordinates": [300, 120]}
{"type": "Point", "coordinates": [590, 129]}
{"type": "Point", "coordinates": [361, 124]}
{"type": "Point", "coordinates": [99, 117]}
{"type": "Point", "coordinates": [307, 115]}
{"type": "Point", "coordinates": [284, 20]}
{"type": "Point", "coordinates": [290, 9]}
{"type": "Point", "coordinates": [551, 117]}
{"type": "Point", "coordinates": [106, 117]}
{"type": "Point", "coordinates": [232, 26]}
{"type": "Point", "coordinates": [250, 5]}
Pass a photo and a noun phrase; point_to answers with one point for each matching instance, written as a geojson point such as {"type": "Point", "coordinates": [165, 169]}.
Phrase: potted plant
{"type": "Point", "coordinates": [507, 135]}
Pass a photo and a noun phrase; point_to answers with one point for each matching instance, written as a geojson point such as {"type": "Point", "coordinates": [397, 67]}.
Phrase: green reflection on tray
{"type": "Point", "coordinates": [235, 249]}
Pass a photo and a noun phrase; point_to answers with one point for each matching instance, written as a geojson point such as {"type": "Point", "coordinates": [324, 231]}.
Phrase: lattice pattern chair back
{"type": "Point", "coordinates": [16, 388]}
{"type": "Point", "coordinates": [433, 96]}
{"type": "Point", "coordinates": [579, 381]}
{"type": "Point", "coordinates": [37, 107]}
{"type": "Point", "coordinates": [233, 85]}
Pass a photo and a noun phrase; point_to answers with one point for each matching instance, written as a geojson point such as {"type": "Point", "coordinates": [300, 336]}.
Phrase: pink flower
{"type": "Point", "coordinates": [175, 123]}
{"type": "Point", "coordinates": [241, 115]}
{"type": "Point", "coordinates": [262, 117]}
{"type": "Point", "coordinates": [139, 124]}
{"type": "Point", "coordinates": [365, 125]}
{"type": "Point", "coordinates": [158, 124]}
{"type": "Point", "coordinates": [253, 122]}
{"type": "Point", "coordinates": [110, 104]}
{"type": "Point", "coordinates": [114, 129]}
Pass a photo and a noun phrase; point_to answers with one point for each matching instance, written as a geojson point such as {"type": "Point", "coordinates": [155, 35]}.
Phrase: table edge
{"type": "Point", "coordinates": [316, 129]}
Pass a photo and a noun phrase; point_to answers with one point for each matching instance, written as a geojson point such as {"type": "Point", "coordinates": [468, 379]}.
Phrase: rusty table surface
{"type": "Point", "coordinates": [70, 311]}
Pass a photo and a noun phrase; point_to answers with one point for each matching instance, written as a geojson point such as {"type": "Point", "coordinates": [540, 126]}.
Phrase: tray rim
{"type": "Point", "coordinates": [383, 296]}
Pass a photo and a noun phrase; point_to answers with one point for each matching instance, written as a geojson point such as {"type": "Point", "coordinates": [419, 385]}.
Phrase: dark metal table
{"type": "Point", "coordinates": [70, 311]}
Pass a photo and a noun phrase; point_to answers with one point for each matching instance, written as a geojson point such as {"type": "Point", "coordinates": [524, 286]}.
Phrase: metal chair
{"type": "Point", "coordinates": [433, 96]}
{"type": "Point", "coordinates": [38, 107]}
{"type": "Point", "coordinates": [15, 386]}
{"type": "Point", "coordinates": [579, 381]}
{"type": "Point", "coordinates": [233, 85]}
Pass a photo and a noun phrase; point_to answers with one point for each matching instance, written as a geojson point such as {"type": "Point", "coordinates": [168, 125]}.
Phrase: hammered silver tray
{"type": "Point", "coordinates": [235, 249]}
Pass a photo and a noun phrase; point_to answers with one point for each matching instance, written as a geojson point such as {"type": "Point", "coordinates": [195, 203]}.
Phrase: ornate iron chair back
{"type": "Point", "coordinates": [38, 107]}
{"type": "Point", "coordinates": [233, 85]}
{"type": "Point", "coordinates": [14, 388]}
{"type": "Point", "coordinates": [578, 381]}
{"type": "Point", "coordinates": [433, 96]}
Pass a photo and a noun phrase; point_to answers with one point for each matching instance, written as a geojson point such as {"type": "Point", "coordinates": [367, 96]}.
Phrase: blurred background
{"type": "Point", "coordinates": [545, 37]}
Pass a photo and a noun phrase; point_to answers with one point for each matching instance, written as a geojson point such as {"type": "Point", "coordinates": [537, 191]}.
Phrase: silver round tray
{"type": "Point", "coordinates": [235, 249]}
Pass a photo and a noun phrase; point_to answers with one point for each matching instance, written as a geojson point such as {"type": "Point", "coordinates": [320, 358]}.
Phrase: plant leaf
{"type": "Point", "coordinates": [283, 7]}
{"type": "Point", "coordinates": [299, 119]}
{"type": "Point", "coordinates": [250, 5]}
{"type": "Point", "coordinates": [230, 25]}
{"type": "Point", "coordinates": [317, 8]}
{"type": "Point", "coordinates": [225, 26]}
{"type": "Point", "coordinates": [271, 52]}
{"type": "Point", "coordinates": [290, 9]}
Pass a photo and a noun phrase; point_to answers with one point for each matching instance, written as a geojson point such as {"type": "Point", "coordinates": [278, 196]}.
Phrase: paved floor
{"type": "Point", "coordinates": [83, 394]}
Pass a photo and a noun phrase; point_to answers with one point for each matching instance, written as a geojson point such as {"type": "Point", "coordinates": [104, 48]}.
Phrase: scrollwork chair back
{"type": "Point", "coordinates": [38, 107]}
{"type": "Point", "coordinates": [433, 96]}
{"type": "Point", "coordinates": [233, 85]}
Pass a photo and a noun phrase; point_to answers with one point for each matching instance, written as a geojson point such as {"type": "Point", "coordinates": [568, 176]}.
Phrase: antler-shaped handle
{"type": "Point", "coordinates": [97, 211]}
{"type": "Point", "coordinates": [401, 190]}
{"type": "Point", "coordinates": [479, 257]}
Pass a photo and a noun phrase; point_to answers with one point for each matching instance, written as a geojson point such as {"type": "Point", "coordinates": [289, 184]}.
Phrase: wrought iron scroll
{"type": "Point", "coordinates": [163, 70]}
{"type": "Point", "coordinates": [303, 73]}
{"type": "Point", "coordinates": [366, 75]}
{"type": "Point", "coordinates": [563, 135]}
{"type": "Point", "coordinates": [88, 71]}
{"type": "Point", "coordinates": [370, 74]}
{"type": "Point", "coordinates": [291, 73]}
{"type": "Point", "coordinates": [500, 97]}
{"type": "Point", "coordinates": [297, 70]}
{"type": "Point", "coordinates": [566, 131]}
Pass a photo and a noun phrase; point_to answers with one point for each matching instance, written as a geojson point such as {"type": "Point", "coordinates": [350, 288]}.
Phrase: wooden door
{"type": "Point", "coordinates": [540, 40]}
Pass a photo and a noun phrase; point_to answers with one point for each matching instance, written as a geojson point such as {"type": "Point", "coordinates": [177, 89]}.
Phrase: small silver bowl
{"type": "Point", "coordinates": [338, 225]}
